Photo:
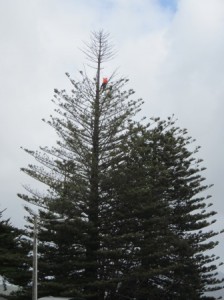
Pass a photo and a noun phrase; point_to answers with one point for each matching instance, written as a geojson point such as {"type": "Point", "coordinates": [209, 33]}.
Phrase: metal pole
{"type": "Point", "coordinates": [34, 289]}
{"type": "Point", "coordinates": [35, 264]}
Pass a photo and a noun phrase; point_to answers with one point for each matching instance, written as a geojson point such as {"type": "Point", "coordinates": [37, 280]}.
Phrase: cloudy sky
{"type": "Point", "coordinates": [171, 50]}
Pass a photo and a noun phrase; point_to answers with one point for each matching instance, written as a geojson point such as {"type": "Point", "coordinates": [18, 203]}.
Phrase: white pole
{"type": "Point", "coordinates": [34, 289]}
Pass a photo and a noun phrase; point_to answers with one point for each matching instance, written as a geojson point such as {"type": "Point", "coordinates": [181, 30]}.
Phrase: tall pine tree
{"type": "Point", "coordinates": [92, 122]}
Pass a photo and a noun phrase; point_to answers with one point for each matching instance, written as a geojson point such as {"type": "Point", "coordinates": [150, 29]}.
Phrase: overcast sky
{"type": "Point", "coordinates": [172, 52]}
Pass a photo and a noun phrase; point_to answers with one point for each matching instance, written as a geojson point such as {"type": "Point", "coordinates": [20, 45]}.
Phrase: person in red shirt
{"type": "Point", "coordinates": [104, 84]}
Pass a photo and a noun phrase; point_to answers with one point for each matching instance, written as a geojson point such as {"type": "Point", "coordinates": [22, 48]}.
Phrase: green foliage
{"type": "Point", "coordinates": [159, 218]}
{"type": "Point", "coordinates": [131, 196]}
{"type": "Point", "coordinates": [14, 250]}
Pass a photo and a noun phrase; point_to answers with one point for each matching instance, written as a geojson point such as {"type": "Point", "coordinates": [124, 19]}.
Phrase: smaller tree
{"type": "Point", "coordinates": [159, 226]}
{"type": "Point", "coordinates": [14, 250]}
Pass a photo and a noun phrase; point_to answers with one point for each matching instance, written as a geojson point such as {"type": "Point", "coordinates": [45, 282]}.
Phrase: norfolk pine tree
{"type": "Point", "coordinates": [167, 217]}
{"type": "Point", "coordinates": [91, 124]}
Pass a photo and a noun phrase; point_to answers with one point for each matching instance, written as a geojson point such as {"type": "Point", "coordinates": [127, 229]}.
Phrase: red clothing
{"type": "Point", "coordinates": [105, 80]}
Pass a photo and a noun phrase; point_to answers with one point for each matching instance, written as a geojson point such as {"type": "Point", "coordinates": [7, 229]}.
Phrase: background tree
{"type": "Point", "coordinates": [14, 250]}
{"type": "Point", "coordinates": [163, 217]}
